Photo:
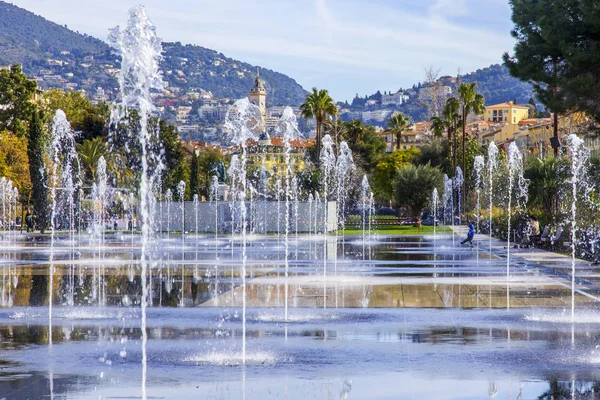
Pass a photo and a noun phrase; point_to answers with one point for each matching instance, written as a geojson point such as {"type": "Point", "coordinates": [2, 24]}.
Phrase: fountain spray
{"type": "Point", "coordinates": [327, 167]}
{"type": "Point", "coordinates": [579, 159]}
{"type": "Point", "coordinates": [288, 129]}
{"type": "Point", "coordinates": [492, 164]}
{"type": "Point", "coordinates": [140, 50]}
{"type": "Point", "coordinates": [244, 122]}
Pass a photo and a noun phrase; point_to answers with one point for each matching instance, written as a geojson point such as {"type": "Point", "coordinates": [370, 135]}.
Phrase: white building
{"type": "Point", "coordinates": [394, 99]}
{"type": "Point", "coordinates": [376, 115]}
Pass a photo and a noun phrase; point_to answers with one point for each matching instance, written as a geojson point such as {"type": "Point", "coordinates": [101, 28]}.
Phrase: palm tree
{"type": "Point", "coordinates": [398, 124]}
{"type": "Point", "coordinates": [439, 125]}
{"type": "Point", "coordinates": [470, 102]}
{"type": "Point", "coordinates": [337, 129]}
{"type": "Point", "coordinates": [318, 105]}
{"type": "Point", "coordinates": [547, 179]}
{"type": "Point", "coordinates": [90, 152]}
{"type": "Point", "coordinates": [451, 114]}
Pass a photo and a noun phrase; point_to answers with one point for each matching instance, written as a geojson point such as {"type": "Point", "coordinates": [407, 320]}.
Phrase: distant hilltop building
{"type": "Point", "coordinates": [393, 99]}
{"type": "Point", "coordinates": [258, 96]}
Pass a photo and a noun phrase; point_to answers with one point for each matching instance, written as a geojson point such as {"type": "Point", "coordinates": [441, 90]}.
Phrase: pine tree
{"type": "Point", "coordinates": [37, 171]}
{"type": "Point", "coordinates": [194, 176]}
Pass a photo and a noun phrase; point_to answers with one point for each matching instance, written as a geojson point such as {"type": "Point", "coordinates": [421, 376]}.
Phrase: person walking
{"type": "Point", "coordinates": [29, 221]}
{"type": "Point", "coordinates": [470, 235]}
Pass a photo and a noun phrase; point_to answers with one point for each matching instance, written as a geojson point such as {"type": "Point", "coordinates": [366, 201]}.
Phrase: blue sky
{"type": "Point", "coordinates": [346, 46]}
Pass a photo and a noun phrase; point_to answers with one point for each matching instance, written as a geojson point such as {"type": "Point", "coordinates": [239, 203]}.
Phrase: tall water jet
{"type": "Point", "coordinates": [459, 181]}
{"type": "Point", "coordinates": [328, 162]}
{"type": "Point", "coordinates": [244, 122]}
{"type": "Point", "coordinates": [140, 50]}
{"type": "Point", "coordinates": [448, 200]}
{"type": "Point", "coordinates": [100, 199]}
{"type": "Point", "coordinates": [492, 164]}
{"type": "Point", "coordinates": [214, 197]}
{"type": "Point", "coordinates": [365, 200]}
{"type": "Point", "coordinates": [435, 200]}
{"type": "Point", "coordinates": [478, 166]}
{"type": "Point", "coordinates": [343, 175]}
{"type": "Point", "coordinates": [64, 158]}
{"type": "Point", "coordinates": [288, 129]}
{"type": "Point", "coordinates": [181, 194]}
{"type": "Point", "coordinates": [579, 158]}
{"type": "Point", "coordinates": [515, 181]}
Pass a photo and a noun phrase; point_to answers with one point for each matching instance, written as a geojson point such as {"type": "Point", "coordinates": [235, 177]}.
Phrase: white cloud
{"type": "Point", "coordinates": [347, 46]}
{"type": "Point", "coordinates": [449, 8]}
{"type": "Point", "coordinates": [327, 22]}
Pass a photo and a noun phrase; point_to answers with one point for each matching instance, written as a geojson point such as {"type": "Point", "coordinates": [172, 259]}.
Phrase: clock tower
{"type": "Point", "coordinates": [258, 96]}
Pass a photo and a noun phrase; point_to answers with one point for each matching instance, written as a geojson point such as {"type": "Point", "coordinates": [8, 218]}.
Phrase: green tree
{"type": "Point", "coordinates": [90, 152]}
{"type": "Point", "coordinates": [194, 175]}
{"type": "Point", "coordinates": [17, 96]}
{"type": "Point", "coordinates": [366, 144]}
{"type": "Point", "coordinates": [176, 167]}
{"type": "Point", "coordinates": [470, 102]}
{"type": "Point", "coordinates": [451, 113]}
{"type": "Point", "coordinates": [207, 162]}
{"type": "Point", "coordinates": [337, 129]}
{"type": "Point", "coordinates": [88, 119]}
{"type": "Point", "coordinates": [385, 172]}
{"type": "Point", "coordinates": [436, 154]}
{"type": "Point", "coordinates": [414, 187]}
{"type": "Point", "coordinates": [318, 105]}
{"type": "Point", "coordinates": [547, 178]}
{"type": "Point", "coordinates": [398, 124]}
{"type": "Point", "coordinates": [37, 171]}
{"type": "Point", "coordinates": [14, 163]}
{"type": "Point", "coordinates": [533, 111]}
{"type": "Point", "coordinates": [439, 125]}
{"type": "Point", "coordinates": [546, 31]}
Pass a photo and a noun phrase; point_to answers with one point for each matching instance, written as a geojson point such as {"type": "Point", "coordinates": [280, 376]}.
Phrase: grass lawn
{"type": "Point", "coordinates": [400, 230]}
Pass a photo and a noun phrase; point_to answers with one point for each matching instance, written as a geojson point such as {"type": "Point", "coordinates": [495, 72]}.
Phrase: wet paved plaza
{"type": "Point", "coordinates": [395, 318]}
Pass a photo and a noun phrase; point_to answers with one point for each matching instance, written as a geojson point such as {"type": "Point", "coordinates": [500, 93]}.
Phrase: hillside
{"type": "Point", "coordinates": [497, 86]}
{"type": "Point", "coordinates": [494, 82]}
{"type": "Point", "coordinates": [59, 57]}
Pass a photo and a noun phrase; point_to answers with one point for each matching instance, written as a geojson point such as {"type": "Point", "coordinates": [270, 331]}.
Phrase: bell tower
{"type": "Point", "coordinates": [258, 96]}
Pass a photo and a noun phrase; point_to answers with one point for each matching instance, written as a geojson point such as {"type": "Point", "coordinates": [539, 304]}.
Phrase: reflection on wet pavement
{"type": "Point", "coordinates": [403, 319]}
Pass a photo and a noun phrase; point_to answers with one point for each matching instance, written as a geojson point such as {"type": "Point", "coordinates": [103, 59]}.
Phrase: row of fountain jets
{"type": "Point", "coordinates": [140, 48]}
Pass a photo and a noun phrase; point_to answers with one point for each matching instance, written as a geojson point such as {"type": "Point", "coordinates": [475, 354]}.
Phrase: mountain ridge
{"type": "Point", "coordinates": [46, 48]}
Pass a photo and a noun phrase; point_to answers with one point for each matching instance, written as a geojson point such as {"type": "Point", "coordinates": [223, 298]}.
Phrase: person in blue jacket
{"type": "Point", "coordinates": [470, 234]}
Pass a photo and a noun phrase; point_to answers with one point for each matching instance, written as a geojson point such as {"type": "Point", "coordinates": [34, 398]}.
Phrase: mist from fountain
{"type": "Point", "coordinates": [459, 181]}
{"type": "Point", "coordinates": [181, 195]}
{"type": "Point", "coordinates": [448, 200]}
{"type": "Point", "coordinates": [328, 163]}
{"type": "Point", "coordinates": [492, 165]}
{"type": "Point", "coordinates": [515, 182]}
{"type": "Point", "coordinates": [365, 200]}
{"type": "Point", "coordinates": [343, 176]}
{"type": "Point", "coordinates": [579, 155]}
{"type": "Point", "coordinates": [287, 127]}
{"type": "Point", "coordinates": [64, 161]}
{"type": "Point", "coordinates": [478, 166]}
{"type": "Point", "coordinates": [435, 200]}
{"type": "Point", "coordinates": [244, 122]}
{"type": "Point", "coordinates": [140, 50]}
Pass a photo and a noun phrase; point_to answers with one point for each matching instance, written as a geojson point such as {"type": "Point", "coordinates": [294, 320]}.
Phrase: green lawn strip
{"type": "Point", "coordinates": [400, 230]}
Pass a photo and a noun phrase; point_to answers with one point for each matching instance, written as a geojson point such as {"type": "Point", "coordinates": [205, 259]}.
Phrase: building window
{"type": "Point", "coordinates": [514, 120]}
{"type": "Point", "coordinates": [505, 119]}
{"type": "Point", "coordinates": [514, 111]}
